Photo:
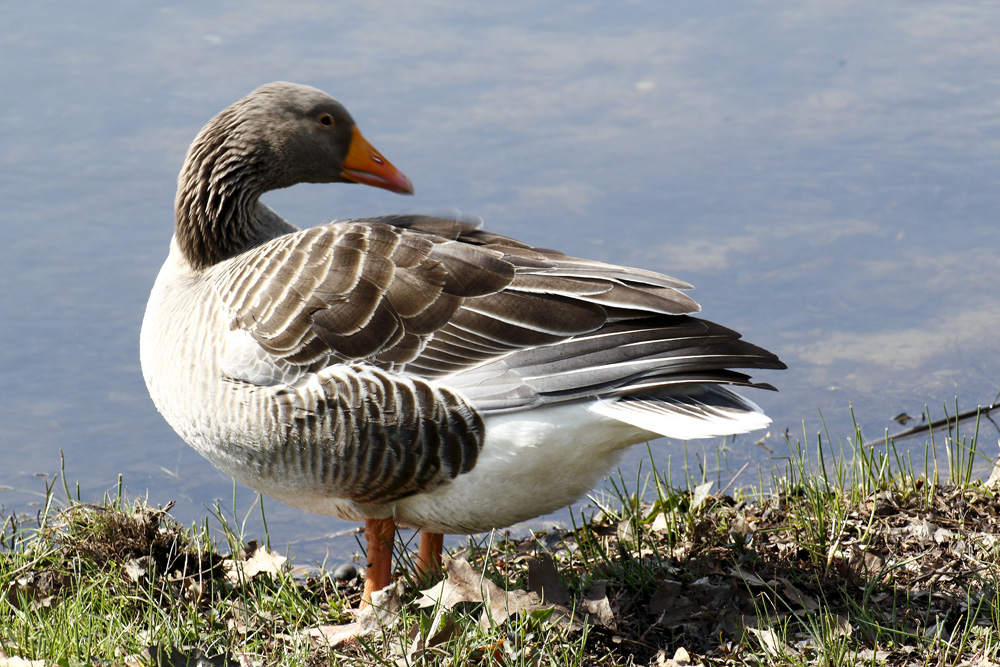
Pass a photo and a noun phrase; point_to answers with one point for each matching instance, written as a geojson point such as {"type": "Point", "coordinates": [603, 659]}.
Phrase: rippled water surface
{"type": "Point", "coordinates": [825, 174]}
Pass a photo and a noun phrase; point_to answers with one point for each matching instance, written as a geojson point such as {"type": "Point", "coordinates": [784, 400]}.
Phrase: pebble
{"type": "Point", "coordinates": [345, 572]}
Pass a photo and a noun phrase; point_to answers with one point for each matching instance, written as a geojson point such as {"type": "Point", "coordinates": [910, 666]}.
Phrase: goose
{"type": "Point", "coordinates": [409, 370]}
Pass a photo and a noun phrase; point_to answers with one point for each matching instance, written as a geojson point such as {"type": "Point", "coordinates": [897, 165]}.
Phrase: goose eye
{"type": "Point", "coordinates": [326, 120]}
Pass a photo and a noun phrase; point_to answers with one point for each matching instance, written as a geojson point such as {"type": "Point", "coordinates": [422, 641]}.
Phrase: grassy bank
{"type": "Point", "coordinates": [853, 557]}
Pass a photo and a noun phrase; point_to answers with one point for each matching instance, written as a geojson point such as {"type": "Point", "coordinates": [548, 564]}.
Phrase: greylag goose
{"type": "Point", "coordinates": [409, 370]}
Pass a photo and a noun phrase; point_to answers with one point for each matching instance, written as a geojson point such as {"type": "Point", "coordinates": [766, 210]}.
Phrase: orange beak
{"type": "Point", "coordinates": [366, 165]}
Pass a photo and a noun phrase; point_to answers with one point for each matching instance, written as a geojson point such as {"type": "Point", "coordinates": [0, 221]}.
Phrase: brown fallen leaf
{"type": "Point", "coordinates": [544, 579]}
{"type": "Point", "coordinates": [750, 579]}
{"type": "Point", "coordinates": [6, 661]}
{"type": "Point", "coordinates": [740, 526]}
{"type": "Point", "coordinates": [771, 643]}
{"type": "Point", "coordinates": [701, 494]}
{"type": "Point", "coordinates": [681, 658]}
{"type": "Point", "coordinates": [137, 568]}
{"type": "Point", "coordinates": [465, 584]}
{"type": "Point", "coordinates": [462, 584]}
{"type": "Point", "coordinates": [665, 596]}
{"type": "Point", "coordinates": [596, 604]}
{"type": "Point", "coordinates": [942, 535]}
{"type": "Point", "coordinates": [793, 594]}
{"type": "Point", "coordinates": [993, 481]}
{"type": "Point", "coordinates": [258, 560]}
{"type": "Point", "coordinates": [873, 656]}
{"type": "Point", "coordinates": [417, 644]}
{"type": "Point", "coordinates": [380, 615]}
{"type": "Point", "coordinates": [840, 626]}
{"type": "Point", "coordinates": [861, 563]}
{"type": "Point", "coordinates": [40, 588]}
{"type": "Point", "coordinates": [659, 522]}
{"type": "Point", "coordinates": [686, 605]}
{"type": "Point", "coordinates": [922, 529]}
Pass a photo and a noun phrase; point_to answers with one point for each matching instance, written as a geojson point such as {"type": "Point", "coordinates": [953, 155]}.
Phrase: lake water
{"type": "Point", "coordinates": [825, 174]}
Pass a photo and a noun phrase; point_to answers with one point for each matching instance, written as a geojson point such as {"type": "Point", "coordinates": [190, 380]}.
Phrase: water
{"type": "Point", "coordinates": [824, 173]}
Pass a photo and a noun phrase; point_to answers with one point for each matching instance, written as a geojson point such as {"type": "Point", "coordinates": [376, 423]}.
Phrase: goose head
{"type": "Point", "coordinates": [277, 136]}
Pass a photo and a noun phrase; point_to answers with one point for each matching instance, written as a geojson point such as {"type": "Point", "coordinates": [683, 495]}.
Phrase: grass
{"type": "Point", "coordinates": [843, 555]}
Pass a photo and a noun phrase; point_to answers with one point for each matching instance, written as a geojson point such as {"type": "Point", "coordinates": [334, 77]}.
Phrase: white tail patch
{"type": "Point", "coordinates": [685, 417]}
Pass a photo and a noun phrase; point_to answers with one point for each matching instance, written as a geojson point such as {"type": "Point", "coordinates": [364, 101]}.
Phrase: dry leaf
{"type": "Point", "coordinates": [465, 584]}
{"type": "Point", "coordinates": [137, 568]}
{"type": "Point", "coordinates": [681, 658]}
{"type": "Point", "coordinates": [418, 645]}
{"type": "Point", "coordinates": [981, 661]}
{"type": "Point", "coordinates": [861, 562]}
{"type": "Point", "coordinates": [865, 656]}
{"type": "Point", "coordinates": [993, 481]}
{"type": "Point", "coordinates": [687, 605]}
{"type": "Point", "coordinates": [665, 596]}
{"type": "Point", "coordinates": [701, 494]}
{"type": "Point", "coordinates": [751, 579]}
{"type": "Point", "coordinates": [942, 535]}
{"type": "Point", "coordinates": [502, 605]}
{"type": "Point", "coordinates": [922, 529]}
{"type": "Point", "coordinates": [795, 595]}
{"type": "Point", "coordinates": [625, 530]}
{"type": "Point", "coordinates": [193, 589]}
{"type": "Point", "coordinates": [596, 604]}
{"type": "Point", "coordinates": [38, 587]}
{"type": "Point", "coordinates": [544, 580]}
{"type": "Point", "coordinates": [770, 642]}
{"type": "Point", "coordinates": [740, 526]}
{"type": "Point", "coordinates": [462, 584]}
{"type": "Point", "coordinates": [841, 626]}
{"type": "Point", "coordinates": [20, 662]}
{"type": "Point", "coordinates": [381, 614]}
{"type": "Point", "coordinates": [259, 561]}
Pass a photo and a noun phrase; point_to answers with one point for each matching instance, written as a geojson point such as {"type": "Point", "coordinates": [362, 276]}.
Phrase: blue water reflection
{"type": "Point", "coordinates": [825, 174]}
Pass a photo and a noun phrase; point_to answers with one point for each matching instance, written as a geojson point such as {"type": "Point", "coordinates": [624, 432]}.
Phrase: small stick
{"type": "Point", "coordinates": [944, 421]}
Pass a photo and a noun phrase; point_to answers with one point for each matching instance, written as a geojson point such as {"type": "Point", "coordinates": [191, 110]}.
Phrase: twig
{"type": "Point", "coordinates": [733, 480]}
{"type": "Point", "coordinates": [944, 421]}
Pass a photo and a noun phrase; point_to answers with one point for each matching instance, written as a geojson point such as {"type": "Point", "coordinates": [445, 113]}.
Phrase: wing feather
{"type": "Point", "coordinates": [427, 295]}
{"type": "Point", "coordinates": [509, 324]}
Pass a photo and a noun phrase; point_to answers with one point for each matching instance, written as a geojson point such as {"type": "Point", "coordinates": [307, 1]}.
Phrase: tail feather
{"type": "Point", "coordinates": [704, 411]}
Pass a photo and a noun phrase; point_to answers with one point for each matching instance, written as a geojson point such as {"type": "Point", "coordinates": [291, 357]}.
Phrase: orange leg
{"type": "Point", "coordinates": [429, 555]}
{"type": "Point", "coordinates": [379, 536]}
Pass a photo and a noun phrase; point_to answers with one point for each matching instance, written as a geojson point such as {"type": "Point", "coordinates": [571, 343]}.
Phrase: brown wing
{"type": "Point", "coordinates": [428, 295]}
